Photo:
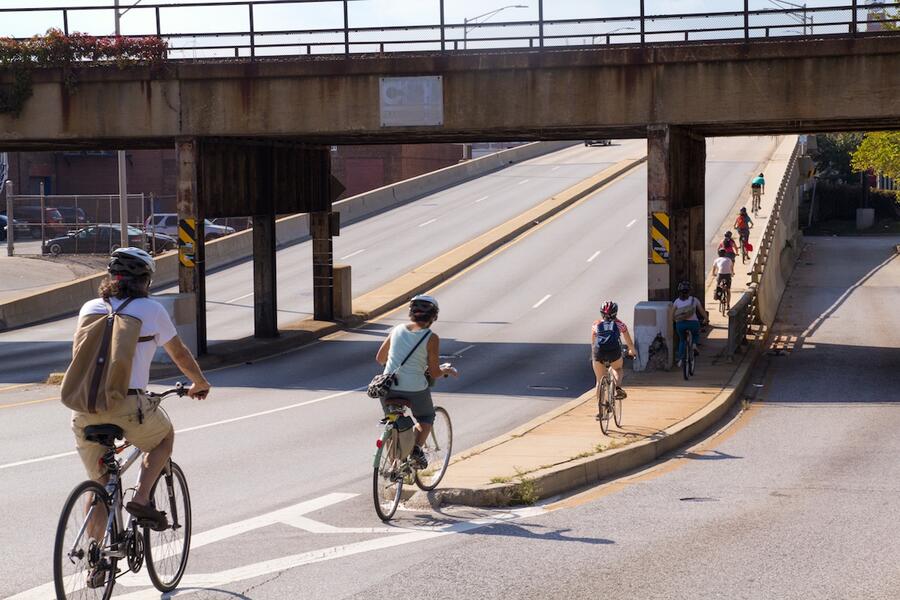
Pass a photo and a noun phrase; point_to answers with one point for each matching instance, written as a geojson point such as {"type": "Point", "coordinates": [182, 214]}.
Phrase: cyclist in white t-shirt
{"type": "Point", "coordinates": [723, 269]}
{"type": "Point", "coordinates": [145, 425]}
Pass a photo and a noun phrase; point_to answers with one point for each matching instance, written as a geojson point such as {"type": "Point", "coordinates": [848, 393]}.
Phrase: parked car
{"type": "Point", "coordinates": [598, 142]}
{"type": "Point", "coordinates": [103, 239]}
{"type": "Point", "coordinates": [53, 220]}
{"type": "Point", "coordinates": [73, 216]}
{"type": "Point", "coordinates": [167, 223]}
{"type": "Point", "coordinates": [21, 229]}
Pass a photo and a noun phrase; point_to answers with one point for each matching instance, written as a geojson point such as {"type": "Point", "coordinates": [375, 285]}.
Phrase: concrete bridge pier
{"type": "Point", "coordinates": [191, 270]}
{"type": "Point", "coordinates": [676, 171]}
{"type": "Point", "coordinates": [265, 290]}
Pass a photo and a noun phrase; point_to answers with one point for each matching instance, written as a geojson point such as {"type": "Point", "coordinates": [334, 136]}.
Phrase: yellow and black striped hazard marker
{"type": "Point", "coordinates": [659, 238]}
{"type": "Point", "coordinates": [187, 238]}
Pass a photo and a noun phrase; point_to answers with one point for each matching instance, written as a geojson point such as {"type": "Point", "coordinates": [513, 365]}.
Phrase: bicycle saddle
{"type": "Point", "coordinates": [105, 434]}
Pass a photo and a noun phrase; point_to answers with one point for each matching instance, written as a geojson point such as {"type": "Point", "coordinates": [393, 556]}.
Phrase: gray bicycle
{"type": "Point", "coordinates": [393, 467]}
{"type": "Point", "coordinates": [92, 538]}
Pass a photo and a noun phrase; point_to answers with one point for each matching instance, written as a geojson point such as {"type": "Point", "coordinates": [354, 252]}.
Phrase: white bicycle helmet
{"type": "Point", "coordinates": [132, 262]}
{"type": "Point", "coordinates": [424, 308]}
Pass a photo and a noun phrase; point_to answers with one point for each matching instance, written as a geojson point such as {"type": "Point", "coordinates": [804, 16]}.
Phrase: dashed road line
{"type": "Point", "coordinates": [594, 255]}
{"type": "Point", "coordinates": [524, 181]}
{"type": "Point", "coordinates": [238, 298]}
{"type": "Point", "coordinates": [466, 348]}
{"type": "Point", "coordinates": [630, 224]}
{"type": "Point", "coordinates": [480, 199]}
{"type": "Point", "coordinates": [352, 254]}
{"type": "Point", "coordinates": [542, 300]}
{"type": "Point", "coordinates": [429, 222]}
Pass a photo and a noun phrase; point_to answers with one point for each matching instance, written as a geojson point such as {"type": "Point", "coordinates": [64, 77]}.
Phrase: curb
{"type": "Point", "coordinates": [595, 469]}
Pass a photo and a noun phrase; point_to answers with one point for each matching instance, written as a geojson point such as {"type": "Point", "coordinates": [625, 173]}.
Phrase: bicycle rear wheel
{"type": "Point", "coordinates": [76, 552]}
{"type": "Point", "coordinates": [437, 450]}
{"type": "Point", "coordinates": [387, 481]}
{"type": "Point", "coordinates": [603, 406]}
{"type": "Point", "coordinates": [167, 551]}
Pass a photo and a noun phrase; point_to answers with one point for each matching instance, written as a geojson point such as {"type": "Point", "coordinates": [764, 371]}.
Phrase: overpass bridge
{"type": "Point", "coordinates": [252, 132]}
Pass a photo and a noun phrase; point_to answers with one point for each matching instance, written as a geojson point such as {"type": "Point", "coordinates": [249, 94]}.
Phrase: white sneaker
{"type": "Point", "coordinates": [678, 363]}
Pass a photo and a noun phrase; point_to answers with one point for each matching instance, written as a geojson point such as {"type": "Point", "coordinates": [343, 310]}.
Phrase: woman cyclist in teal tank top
{"type": "Point", "coordinates": [412, 377]}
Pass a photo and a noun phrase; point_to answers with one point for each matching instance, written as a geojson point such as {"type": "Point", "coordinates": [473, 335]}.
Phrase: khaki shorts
{"type": "Point", "coordinates": [146, 435]}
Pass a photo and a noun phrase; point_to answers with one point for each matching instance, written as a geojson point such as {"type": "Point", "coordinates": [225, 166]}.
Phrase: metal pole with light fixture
{"type": "Point", "coordinates": [123, 180]}
{"type": "Point", "coordinates": [475, 22]}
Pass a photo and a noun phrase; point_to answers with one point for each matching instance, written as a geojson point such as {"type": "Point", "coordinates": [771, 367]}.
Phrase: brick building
{"type": "Point", "coordinates": [359, 168]}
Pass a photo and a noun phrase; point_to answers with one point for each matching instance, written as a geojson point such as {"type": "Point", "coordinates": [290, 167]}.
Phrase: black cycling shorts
{"type": "Point", "coordinates": [607, 355]}
{"type": "Point", "coordinates": [725, 277]}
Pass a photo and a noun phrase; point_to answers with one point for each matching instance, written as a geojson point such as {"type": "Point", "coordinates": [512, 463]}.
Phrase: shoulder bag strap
{"type": "Point", "coordinates": [413, 350]}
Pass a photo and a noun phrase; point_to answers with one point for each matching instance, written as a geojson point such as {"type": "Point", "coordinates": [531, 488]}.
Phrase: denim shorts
{"type": "Point", "coordinates": [420, 404]}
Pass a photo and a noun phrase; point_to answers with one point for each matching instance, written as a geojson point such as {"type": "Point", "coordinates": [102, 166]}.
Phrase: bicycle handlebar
{"type": "Point", "coordinates": [180, 390]}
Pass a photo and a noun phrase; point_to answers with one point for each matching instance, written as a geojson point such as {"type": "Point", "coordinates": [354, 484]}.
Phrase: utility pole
{"type": "Point", "coordinates": [123, 181]}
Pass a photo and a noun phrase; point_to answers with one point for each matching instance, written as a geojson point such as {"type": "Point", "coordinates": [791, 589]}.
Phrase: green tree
{"type": "Point", "coordinates": [880, 152]}
{"type": "Point", "coordinates": [833, 152]}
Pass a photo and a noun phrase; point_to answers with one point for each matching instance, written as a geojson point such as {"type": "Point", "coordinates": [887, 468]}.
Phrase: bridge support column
{"type": "Point", "coordinates": [191, 269]}
{"type": "Point", "coordinates": [265, 298]}
{"type": "Point", "coordinates": [676, 171]}
{"type": "Point", "coordinates": [322, 227]}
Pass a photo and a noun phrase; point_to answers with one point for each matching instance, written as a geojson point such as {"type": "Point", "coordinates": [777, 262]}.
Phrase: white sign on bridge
{"type": "Point", "coordinates": [412, 101]}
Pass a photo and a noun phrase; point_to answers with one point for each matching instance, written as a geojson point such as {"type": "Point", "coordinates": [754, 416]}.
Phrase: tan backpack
{"type": "Point", "coordinates": [97, 379]}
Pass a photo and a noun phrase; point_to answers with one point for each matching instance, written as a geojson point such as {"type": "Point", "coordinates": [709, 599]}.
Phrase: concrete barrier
{"type": "Point", "coordinates": [652, 319]}
{"type": "Point", "coordinates": [67, 298]}
{"type": "Point", "coordinates": [777, 258]}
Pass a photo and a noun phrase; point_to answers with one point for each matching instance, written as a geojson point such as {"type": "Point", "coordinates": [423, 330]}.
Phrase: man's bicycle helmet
{"type": "Point", "coordinates": [423, 308]}
{"type": "Point", "coordinates": [131, 262]}
{"type": "Point", "coordinates": [609, 310]}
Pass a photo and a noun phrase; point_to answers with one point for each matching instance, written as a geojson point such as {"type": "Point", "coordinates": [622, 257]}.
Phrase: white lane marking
{"type": "Point", "coordinates": [524, 181]}
{"type": "Point", "coordinates": [288, 515]}
{"type": "Point", "coordinates": [594, 255]}
{"type": "Point", "coordinates": [555, 168]}
{"type": "Point", "coordinates": [267, 567]}
{"type": "Point", "coordinates": [480, 199]}
{"type": "Point", "coordinates": [466, 348]}
{"type": "Point", "coordinates": [238, 298]}
{"type": "Point", "coordinates": [429, 222]}
{"type": "Point", "coordinates": [352, 254]}
{"type": "Point", "coordinates": [542, 300]}
{"type": "Point", "coordinates": [630, 224]}
{"type": "Point", "coordinates": [199, 427]}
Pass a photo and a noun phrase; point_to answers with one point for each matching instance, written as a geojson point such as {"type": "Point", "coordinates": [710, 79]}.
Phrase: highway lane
{"type": "Point", "coordinates": [797, 500]}
{"type": "Point", "coordinates": [378, 248]}
{"type": "Point", "coordinates": [497, 315]}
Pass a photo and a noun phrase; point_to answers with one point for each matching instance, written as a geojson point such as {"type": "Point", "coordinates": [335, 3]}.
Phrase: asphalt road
{"type": "Point", "coordinates": [378, 249]}
{"type": "Point", "coordinates": [296, 428]}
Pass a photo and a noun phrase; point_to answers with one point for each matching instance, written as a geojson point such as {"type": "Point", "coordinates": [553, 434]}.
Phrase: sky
{"type": "Point", "coordinates": [382, 13]}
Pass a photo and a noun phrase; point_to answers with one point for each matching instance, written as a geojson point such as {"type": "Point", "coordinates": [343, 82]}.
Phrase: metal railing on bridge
{"type": "Point", "coordinates": [259, 28]}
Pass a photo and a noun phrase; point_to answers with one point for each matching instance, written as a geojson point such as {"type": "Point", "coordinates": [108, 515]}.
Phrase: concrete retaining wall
{"type": "Point", "coordinates": [68, 297]}
{"type": "Point", "coordinates": [784, 251]}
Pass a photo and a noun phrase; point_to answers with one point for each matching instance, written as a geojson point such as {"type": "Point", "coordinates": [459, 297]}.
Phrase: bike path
{"type": "Point", "coordinates": [565, 448]}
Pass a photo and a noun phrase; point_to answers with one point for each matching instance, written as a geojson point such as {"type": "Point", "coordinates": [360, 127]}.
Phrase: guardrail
{"type": "Point", "coordinates": [259, 25]}
{"type": "Point", "coordinates": [745, 314]}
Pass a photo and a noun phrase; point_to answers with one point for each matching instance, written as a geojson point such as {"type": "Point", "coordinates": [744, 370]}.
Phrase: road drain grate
{"type": "Point", "coordinates": [698, 499]}
{"type": "Point", "coordinates": [548, 388]}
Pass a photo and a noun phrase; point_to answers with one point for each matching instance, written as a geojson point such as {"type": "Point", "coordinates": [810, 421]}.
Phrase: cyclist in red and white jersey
{"type": "Point", "coordinates": [607, 334]}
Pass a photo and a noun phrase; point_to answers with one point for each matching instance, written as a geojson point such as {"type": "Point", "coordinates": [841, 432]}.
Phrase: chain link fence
{"type": "Point", "coordinates": [79, 224]}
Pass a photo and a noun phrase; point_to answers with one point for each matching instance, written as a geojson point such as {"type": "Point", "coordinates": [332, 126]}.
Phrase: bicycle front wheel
{"type": "Point", "coordinates": [79, 569]}
{"type": "Point", "coordinates": [603, 406]}
{"type": "Point", "coordinates": [387, 481]}
{"type": "Point", "coordinates": [437, 450]}
{"type": "Point", "coordinates": [617, 408]}
{"type": "Point", "coordinates": [167, 551]}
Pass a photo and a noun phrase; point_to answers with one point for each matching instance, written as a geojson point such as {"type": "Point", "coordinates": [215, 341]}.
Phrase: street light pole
{"type": "Point", "coordinates": [123, 181]}
{"type": "Point", "coordinates": [476, 23]}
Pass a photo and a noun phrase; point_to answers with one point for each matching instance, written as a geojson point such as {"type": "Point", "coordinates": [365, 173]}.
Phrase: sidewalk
{"type": "Point", "coordinates": [565, 449]}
